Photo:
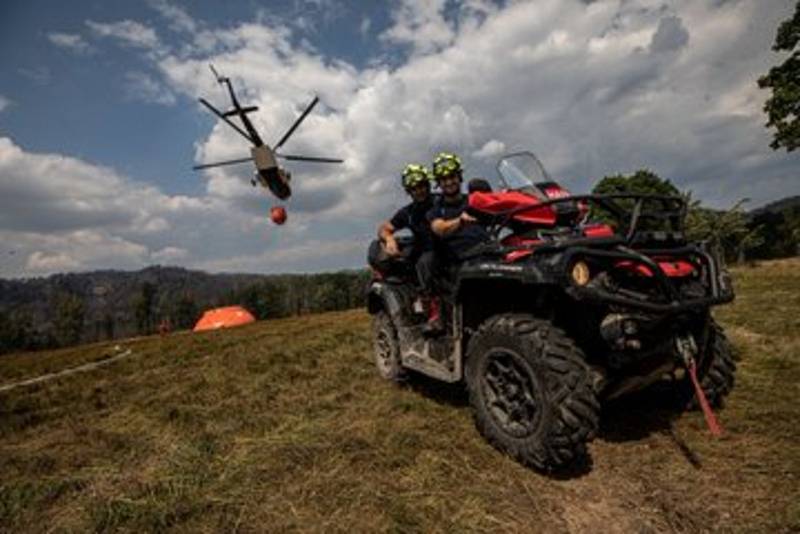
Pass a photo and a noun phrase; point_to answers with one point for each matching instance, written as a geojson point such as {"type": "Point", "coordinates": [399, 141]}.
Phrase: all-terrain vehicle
{"type": "Point", "coordinates": [576, 300]}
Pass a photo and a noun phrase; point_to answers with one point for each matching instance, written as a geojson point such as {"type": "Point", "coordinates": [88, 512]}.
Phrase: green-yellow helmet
{"type": "Point", "coordinates": [446, 164]}
{"type": "Point", "coordinates": [415, 174]}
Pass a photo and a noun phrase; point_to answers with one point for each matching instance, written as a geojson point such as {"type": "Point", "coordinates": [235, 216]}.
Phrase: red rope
{"type": "Point", "coordinates": [711, 419]}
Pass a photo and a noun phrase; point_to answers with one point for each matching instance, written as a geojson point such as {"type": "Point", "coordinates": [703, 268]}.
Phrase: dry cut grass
{"type": "Point", "coordinates": [284, 425]}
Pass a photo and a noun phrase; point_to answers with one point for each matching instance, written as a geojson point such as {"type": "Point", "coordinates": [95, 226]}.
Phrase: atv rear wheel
{"type": "Point", "coordinates": [386, 348]}
{"type": "Point", "coordinates": [531, 391]}
{"type": "Point", "coordinates": [717, 370]}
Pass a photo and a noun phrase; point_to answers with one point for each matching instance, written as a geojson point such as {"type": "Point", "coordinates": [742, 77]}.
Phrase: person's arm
{"type": "Point", "coordinates": [386, 234]}
{"type": "Point", "coordinates": [444, 227]}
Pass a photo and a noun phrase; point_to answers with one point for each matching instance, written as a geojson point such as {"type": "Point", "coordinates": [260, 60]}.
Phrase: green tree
{"type": "Point", "coordinates": [186, 312]}
{"type": "Point", "coordinates": [643, 181]}
{"type": "Point", "coordinates": [15, 332]}
{"type": "Point", "coordinates": [143, 308]}
{"type": "Point", "coordinates": [783, 107]}
{"type": "Point", "coordinates": [728, 230]}
{"type": "Point", "coordinates": [70, 311]}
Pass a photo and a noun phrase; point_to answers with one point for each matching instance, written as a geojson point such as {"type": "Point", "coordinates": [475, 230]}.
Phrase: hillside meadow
{"type": "Point", "coordinates": [284, 425]}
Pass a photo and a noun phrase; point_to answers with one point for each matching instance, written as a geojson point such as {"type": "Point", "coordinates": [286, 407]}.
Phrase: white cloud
{"type": "Point", "coordinates": [421, 24]}
{"type": "Point", "coordinates": [130, 32]}
{"type": "Point", "coordinates": [77, 250]}
{"type": "Point", "coordinates": [491, 150]}
{"type": "Point", "coordinates": [366, 24]}
{"type": "Point", "coordinates": [4, 103]}
{"type": "Point", "coordinates": [40, 261]}
{"type": "Point", "coordinates": [593, 88]}
{"type": "Point", "coordinates": [179, 19]}
{"type": "Point", "coordinates": [170, 255]}
{"type": "Point", "coordinates": [142, 87]}
{"type": "Point", "coordinates": [314, 254]}
{"type": "Point", "coordinates": [70, 41]}
{"type": "Point", "coordinates": [59, 210]}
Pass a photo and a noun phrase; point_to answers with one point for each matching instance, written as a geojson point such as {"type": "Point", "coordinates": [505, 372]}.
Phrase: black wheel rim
{"type": "Point", "coordinates": [509, 393]}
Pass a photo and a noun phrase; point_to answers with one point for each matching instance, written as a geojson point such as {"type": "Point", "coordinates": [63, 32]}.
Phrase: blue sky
{"type": "Point", "coordinates": [100, 125]}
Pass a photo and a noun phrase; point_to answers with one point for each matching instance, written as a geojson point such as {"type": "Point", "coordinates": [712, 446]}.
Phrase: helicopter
{"type": "Point", "coordinates": [268, 173]}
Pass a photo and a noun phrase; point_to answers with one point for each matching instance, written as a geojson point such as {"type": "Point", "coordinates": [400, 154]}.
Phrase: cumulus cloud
{"type": "Point", "coordinates": [491, 150]}
{"type": "Point", "coordinates": [594, 88]}
{"type": "Point", "coordinates": [170, 255]}
{"type": "Point", "coordinates": [308, 256]}
{"type": "Point", "coordinates": [140, 86]}
{"type": "Point", "coordinates": [670, 35]}
{"type": "Point", "coordinates": [52, 193]}
{"type": "Point", "coordinates": [62, 211]}
{"type": "Point", "coordinates": [70, 41]}
{"type": "Point", "coordinates": [128, 32]}
{"type": "Point", "coordinates": [78, 250]}
{"type": "Point", "coordinates": [41, 261]}
{"type": "Point", "coordinates": [178, 18]}
{"type": "Point", "coordinates": [421, 24]}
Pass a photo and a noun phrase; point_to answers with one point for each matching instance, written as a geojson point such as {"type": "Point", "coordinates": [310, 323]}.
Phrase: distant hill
{"type": "Point", "coordinates": [112, 304]}
{"type": "Point", "coordinates": [784, 204]}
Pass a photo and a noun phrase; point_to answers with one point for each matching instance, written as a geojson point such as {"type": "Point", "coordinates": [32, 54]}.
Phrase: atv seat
{"type": "Point", "coordinates": [393, 268]}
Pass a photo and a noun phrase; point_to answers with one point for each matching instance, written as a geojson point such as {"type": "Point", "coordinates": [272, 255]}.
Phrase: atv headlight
{"type": "Point", "coordinates": [580, 273]}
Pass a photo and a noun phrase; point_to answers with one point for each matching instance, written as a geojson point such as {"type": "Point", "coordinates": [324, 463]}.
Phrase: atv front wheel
{"type": "Point", "coordinates": [531, 391]}
{"type": "Point", "coordinates": [386, 348]}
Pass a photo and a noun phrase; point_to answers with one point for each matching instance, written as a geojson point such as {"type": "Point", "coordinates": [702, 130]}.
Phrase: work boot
{"type": "Point", "coordinates": [434, 326]}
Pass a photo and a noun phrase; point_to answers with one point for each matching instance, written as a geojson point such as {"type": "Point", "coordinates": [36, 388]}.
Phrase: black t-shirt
{"type": "Point", "coordinates": [413, 217]}
{"type": "Point", "coordinates": [456, 244]}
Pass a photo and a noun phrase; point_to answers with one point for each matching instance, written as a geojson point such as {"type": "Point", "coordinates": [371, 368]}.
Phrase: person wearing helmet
{"type": "Point", "coordinates": [416, 181]}
{"type": "Point", "coordinates": [453, 228]}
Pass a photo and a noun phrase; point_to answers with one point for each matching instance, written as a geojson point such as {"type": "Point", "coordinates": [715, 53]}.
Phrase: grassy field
{"type": "Point", "coordinates": [285, 425]}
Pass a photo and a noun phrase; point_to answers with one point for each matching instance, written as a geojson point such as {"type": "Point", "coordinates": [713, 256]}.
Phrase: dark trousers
{"type": "Point", "coordinates": [426, 272]}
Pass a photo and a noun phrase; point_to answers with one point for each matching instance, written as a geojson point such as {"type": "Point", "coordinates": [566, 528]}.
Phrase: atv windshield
{"type": "Point", "coordinates": [521, 172]}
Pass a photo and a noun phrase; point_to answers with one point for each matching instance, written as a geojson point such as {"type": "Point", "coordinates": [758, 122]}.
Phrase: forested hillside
{"type": "Point", "coordinates": [66, 309]}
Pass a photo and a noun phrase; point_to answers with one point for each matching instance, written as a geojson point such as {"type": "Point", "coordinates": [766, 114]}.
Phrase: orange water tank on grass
{"type": "Point", "coordinates": [223, 318]}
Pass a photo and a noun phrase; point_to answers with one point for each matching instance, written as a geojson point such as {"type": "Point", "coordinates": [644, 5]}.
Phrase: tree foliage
{"type": "Point", "coordinates": [70, 311]}
{"type": "Point", "coordinates": [783, 107]}
{"type": "Point", "coordinates": [185, 313]}
{"type": "Point", "coordinates": [730, 230]}
{"type": "Point", "coordinates": [143, 308]}
{"type": "Point", "coordinates": [643, 181]}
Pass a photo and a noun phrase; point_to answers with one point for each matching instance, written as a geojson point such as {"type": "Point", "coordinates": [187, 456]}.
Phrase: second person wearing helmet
{"type": "Point", "coordinates": [454, 228]}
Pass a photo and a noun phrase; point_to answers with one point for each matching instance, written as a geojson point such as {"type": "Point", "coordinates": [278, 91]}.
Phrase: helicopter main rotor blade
{"type": "Point", "coordinates": [300, 119]}
{"type": "Point", "coordinates": [221, 163]}
{"type": "Point", "coordinates": [222, 116]}
{"type": "Point", "coordinates": [309, 158]}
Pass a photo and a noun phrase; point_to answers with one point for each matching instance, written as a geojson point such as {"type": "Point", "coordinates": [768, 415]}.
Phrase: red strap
{"type": "Point", "coordinates": [434, 310]}
{"type": "Point", "coordinates": [711, 419]}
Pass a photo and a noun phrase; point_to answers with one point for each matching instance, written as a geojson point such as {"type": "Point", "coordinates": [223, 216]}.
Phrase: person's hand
{"type": "Point", "coordinates": [466, 218]}
{"type": "Point", "coordinates": [391, 248]}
